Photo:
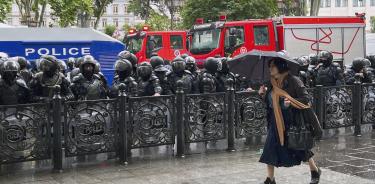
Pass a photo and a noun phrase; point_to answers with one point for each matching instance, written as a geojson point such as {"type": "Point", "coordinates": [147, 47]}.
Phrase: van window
{"type": "Point", "coordinates": [154, 44]}
{"type": "Point", "coordinates": [261, 36]}
{"type": "Point", "coordinates": [240, 37]}
{"type": "Point", "coordinates": [176, 42]}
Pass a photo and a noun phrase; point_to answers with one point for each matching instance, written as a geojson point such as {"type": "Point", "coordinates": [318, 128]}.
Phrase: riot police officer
{"type": "Point", "coordinates": [44, 82]}
{"type": "Point", "coordinates": [62, 66]}
{"type": "Point", "coordinates": [70, 63]}
{"type": "Point", "coordinates": [148, 83]}
{"type": "Point", "coordinates": [24, 73]}
{"type": "Point", "coordinates": [13, 90]}
{"type": "Point", "coordinates": [191, 66]}
{"type": "Point", "coordinates": [161, 72]}
{"type": "Point", "coordinates": [123, 69]}
{"type": "Point", "coordinates": [180, 74]}
{"type": "Point", "coordinates": [304, 74]}
{"type": "Point", "coordinates": [133, 60]}
{"type": "Point", "coordinates": [358, 68]}
{"type": "Point", "coordinates": [98, 71]}
{"type": "Point", "coordinates": [207, 80]}
{"type": "Point", "coordinates": [88, 85]}
{"type": "Point", "coordinates": [224, 75]}
{"type": "Point", "coordinates": [327, 72]}
{"type": "Point", "coordinates": [371, 68]}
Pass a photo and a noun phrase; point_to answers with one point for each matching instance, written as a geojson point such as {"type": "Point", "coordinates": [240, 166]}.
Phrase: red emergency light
{"type": "Point", "coordinates": [222, 17]}
{"type": "Point", "coordinates": [146, 28]}
{"type": "Point", "coordinates": [131, 31]}
{"type": "Point", "coordinates": [199, 21]}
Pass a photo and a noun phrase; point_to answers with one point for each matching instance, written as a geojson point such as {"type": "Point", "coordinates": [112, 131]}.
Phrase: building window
{"type": "Point", "coordinates": [10, 21]}
{"type": "Point", "coordinates": [341, 3]}
{"type": "Point", "coordinates": [325, 3]}
{"type": "Point", "coordinates": [115, 22]}
{"type": "Point", "coordinates": [125, 9]}
{"type": "Point", "coordinates": [104, 22]}
{"type": "Point", "coordinates": [115, 9]}
{"type": "Point", "coordinates": [359, 3]}
{"type": "Point", "coordinates": [372, 2]}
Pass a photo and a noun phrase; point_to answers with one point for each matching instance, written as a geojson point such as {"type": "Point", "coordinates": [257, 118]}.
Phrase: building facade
{"type": "Point", "coordinates": [115, 14]}
{"type": "Point", "coordinates": [348, 8]}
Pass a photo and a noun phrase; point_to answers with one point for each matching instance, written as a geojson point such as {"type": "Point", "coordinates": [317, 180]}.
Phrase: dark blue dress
{"type": "Point", "coordinates": [273, 153]}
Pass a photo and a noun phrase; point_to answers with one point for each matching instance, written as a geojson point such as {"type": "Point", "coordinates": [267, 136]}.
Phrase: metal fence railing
{"type": "Point", "coordinates": [41, 131]}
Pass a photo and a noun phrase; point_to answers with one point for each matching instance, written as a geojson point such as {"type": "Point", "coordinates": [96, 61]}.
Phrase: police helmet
{"type": "Point", "coordinates": [62, 65]}
{"type": "Point", "coordinates": [144, 70]}
{"type": "Point", "coordinates": [178, 65]}
{"type": "Point", "coordinates": [22, 62]}
{"type": "Point", "coordinates": [88, 59]}
{"type": "Point", "coordinates": [156, 61]}
{"type": "Point", "coordinates": [48, 63]}
{"type": "Point", "coordinates": [358, 64]}
{"type": "Point", "coordinates": [325, 57]}
{"type": "Point", "coordinates": [128, 56]}
{"type": "Point", "coordinates": [212, 65]}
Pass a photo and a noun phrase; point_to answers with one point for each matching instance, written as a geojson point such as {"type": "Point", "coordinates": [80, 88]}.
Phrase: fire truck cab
{"type": "Point", "coordinates": [167, 44]}
{"type": "Point", "coordinates": [343, 36]}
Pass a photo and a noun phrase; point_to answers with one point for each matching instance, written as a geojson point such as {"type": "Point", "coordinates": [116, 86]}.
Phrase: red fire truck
{"type": "Point", "coordinates": [167, 44]}
{"type": "Point", "coordinates": [343, 36]}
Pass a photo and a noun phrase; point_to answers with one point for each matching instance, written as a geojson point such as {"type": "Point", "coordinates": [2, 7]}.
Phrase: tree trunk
{"type": "Point", "coordinates": [315, 5]}
{"type": "Point", "coordinates": [42, 14]}
{"type": "Point", "coordinates": [100, 13]}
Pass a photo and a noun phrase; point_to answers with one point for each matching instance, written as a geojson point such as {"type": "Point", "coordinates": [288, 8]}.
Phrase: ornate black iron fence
{"type": "Point", "coordinates": [42, 131]}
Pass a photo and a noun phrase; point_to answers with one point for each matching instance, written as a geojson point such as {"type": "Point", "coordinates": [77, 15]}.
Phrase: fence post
{"type": "Point", "coordinates": [123, 127]}
{"type": "Point", "coordinates": [319, 102]}
{"type": "Point", "coordinates": [357, 106]}
{"type": "Point", "coordinates": [57, 134]}
{"type": "Point", "coordinates": [180, 100]}
{"type": "Point", "coordinates": [230, 114]}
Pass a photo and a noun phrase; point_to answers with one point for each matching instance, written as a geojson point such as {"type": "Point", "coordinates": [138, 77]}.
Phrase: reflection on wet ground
{"type": "Point", "coordinates": [343, 157]}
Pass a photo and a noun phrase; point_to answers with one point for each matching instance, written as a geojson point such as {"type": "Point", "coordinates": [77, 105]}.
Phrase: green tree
{"type": "Point", "coordinates": [158, 22]}
{"type": "Point", "coordinates": [251, 9]}
{"type": "Point", "coordinates": [32, 11]}
{"type": "Point", "coordinates": [372, 23]}
{"type": "Point", "coordinates": [206, 9]}
{"type": "Point", "coordinates": [99, 6]}
{"type": "Point", "coordinates": [109, 29]}
{"type": "Point", "coordinates": [235, 10]}
{"type": "Point", "coordinates": [141, 8]}
{"type": "Point", "coordinates": [5, 7]}
{"type": "Point", "coordinates": [68, 10]}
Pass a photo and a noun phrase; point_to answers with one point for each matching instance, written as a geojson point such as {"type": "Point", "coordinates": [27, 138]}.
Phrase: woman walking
{"type": "Point", "coordinates": [286, 96]}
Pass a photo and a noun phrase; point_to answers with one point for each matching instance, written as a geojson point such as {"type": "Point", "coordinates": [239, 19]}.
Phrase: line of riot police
{"type": "Point", "coordinates": [81, 78]}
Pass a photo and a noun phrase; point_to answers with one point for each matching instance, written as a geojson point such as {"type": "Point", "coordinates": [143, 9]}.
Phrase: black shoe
{"type": "Point", "coordinates": [315, 176]}
{"type": "Point", "coordinates": [269, 181]}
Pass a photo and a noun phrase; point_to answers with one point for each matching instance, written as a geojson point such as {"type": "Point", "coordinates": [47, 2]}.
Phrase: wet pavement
{"type": "Point", "coordinates": [342, 157]}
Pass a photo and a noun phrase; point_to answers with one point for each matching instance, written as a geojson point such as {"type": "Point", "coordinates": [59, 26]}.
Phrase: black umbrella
{"type": "Point", "coordinates": [254, 64]}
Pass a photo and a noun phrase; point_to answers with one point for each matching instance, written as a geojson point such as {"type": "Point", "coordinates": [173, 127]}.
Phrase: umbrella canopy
{"type": "Point", "coordinates": [254, 64]}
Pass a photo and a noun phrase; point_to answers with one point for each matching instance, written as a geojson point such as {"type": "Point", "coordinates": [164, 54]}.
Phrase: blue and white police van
{"type": "Point", "coordinates": [63, 43]}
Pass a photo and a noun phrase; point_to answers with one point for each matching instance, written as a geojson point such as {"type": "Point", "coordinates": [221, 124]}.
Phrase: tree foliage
{"type": "Point", "coordinates": [109, 29]}
{"type": "Point", "coordinates": [141, 8]}
{"type": "Point", "coordinates": [67, 11]}
{"type": "Point", "coordinates": [5, 7]}
{"type": "Point", "coordinates": [158, 22]}
{"type": "Point", "coordinates": [235, 10]}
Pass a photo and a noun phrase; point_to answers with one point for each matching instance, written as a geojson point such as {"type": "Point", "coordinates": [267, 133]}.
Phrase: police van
{"type": "Point", "coordinates": [63, 43]}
